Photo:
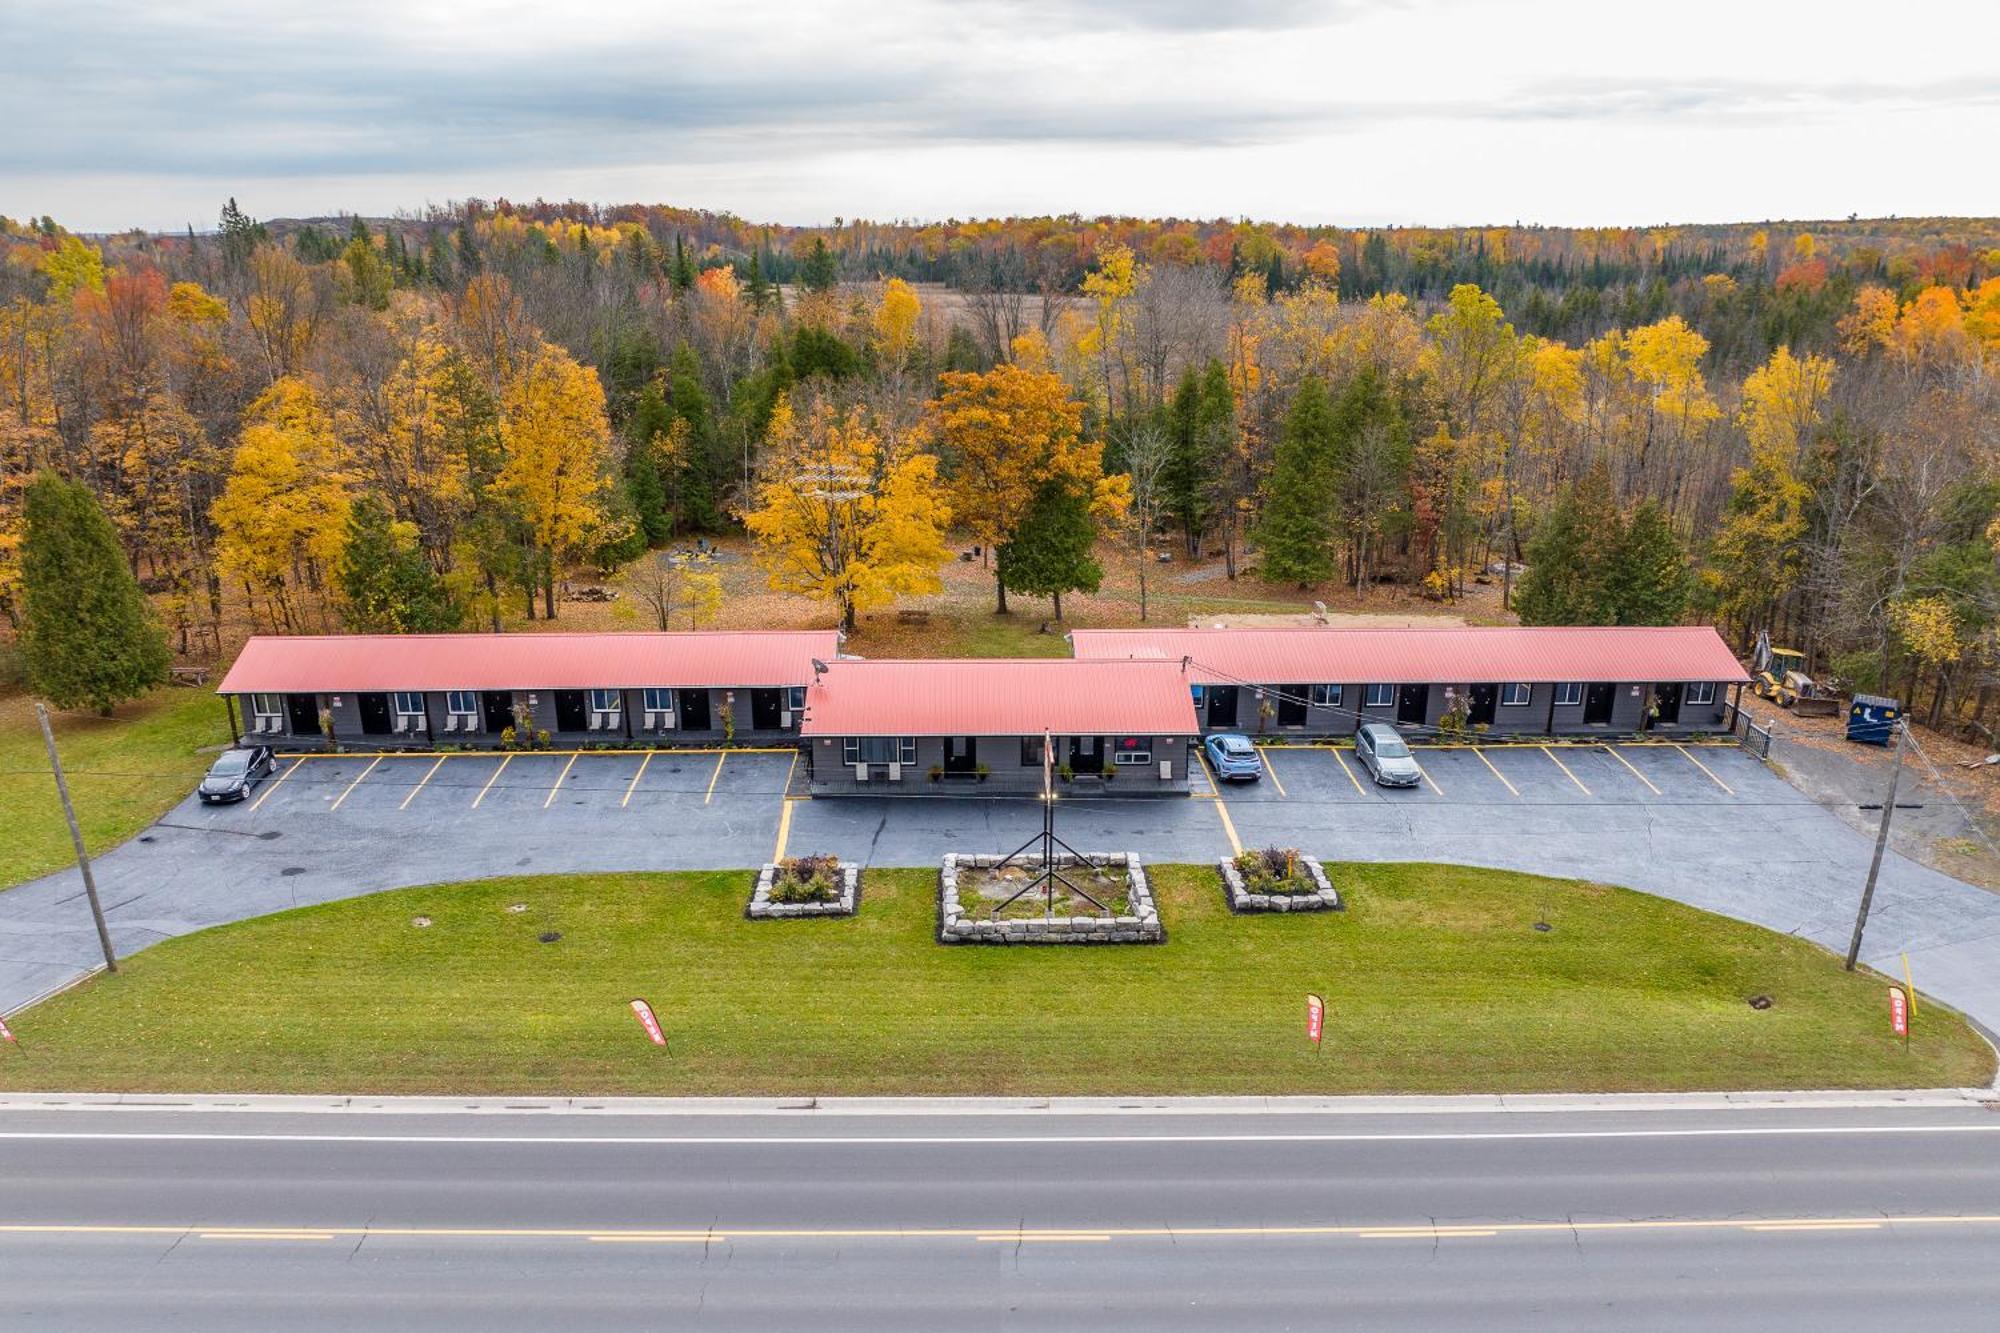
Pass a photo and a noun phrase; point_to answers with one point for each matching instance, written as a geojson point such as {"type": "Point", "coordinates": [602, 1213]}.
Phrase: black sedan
{"type": "Point", "coordinates": [236, 772]}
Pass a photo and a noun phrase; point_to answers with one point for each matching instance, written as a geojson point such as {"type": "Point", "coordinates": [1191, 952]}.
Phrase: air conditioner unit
{"type": "Point", "coordinates": [450, 723]}
{"type": "Point", "coordinates": [596, 722]}
{"type": "Point", "coordinates": [785, 718]}
{"type": "Point", "coordinates": [403, 721]}
{"type": "Point", "coordinates": [895, 772]}
{"type": "Point", "coordinates": [861, 772]}
{"type": "Point", "coordinates": [666, 722]}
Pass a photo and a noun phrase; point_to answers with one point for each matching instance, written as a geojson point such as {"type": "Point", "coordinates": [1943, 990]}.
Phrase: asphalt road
{"type": "Point", "coordinates": [1765, 1218]}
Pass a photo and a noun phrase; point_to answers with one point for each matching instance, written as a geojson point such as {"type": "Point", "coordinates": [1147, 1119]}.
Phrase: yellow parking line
{"type": "Point", "coordinates": [1565, 768]}
{"type": "Point", "coordinates": [1350, 773]}
{"type": "Point", "coordinates": [1496, 772]}
{"type": "Point", "coordinates": [1706, 769]}
{"type": "Point", "coordinates": [1426, 775]}
{"type": "Point", "coordinates": [420, 782]}
{"type": "Point", "coordinates": [556, 786]}
{"type": "Point", "coordinates": [279, 783]}
{"type": "Point", "coordinates": [785, 811]}
{"type": "Point", "coordinates": [715, 776]}
{"type": "Point", "coordinates": [635, 780]}
{"type": "Point", "coordinates": [505, 760]}
{"type": "Point", "coordinates": [1222, 809]}
{"type": "Point", "coordinates": [1271, 770]}
{"type": "Point", "coordinates": [356, 783]}
{"type": "Point", "coordinates": [1612, 750]}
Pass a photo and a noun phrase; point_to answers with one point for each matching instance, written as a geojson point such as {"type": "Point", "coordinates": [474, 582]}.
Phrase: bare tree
{"type": "Point", "coordinates": [1148, 449]}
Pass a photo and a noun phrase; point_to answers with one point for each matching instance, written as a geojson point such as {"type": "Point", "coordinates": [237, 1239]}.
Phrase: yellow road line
{"type": "Point", "coordinates": [1612, 750]}
{"type": "Point", "coordinates": [1426, 775]}
{"type": "Point", "coordinates": [266, 794]}
{"type": "Point", "coordinates": [693, 1238]}
{"type": "Point", "coordinates": [1349, 772]}
{"type": "Point", "coordinates": [1565, 768]}
{"type": "Point", "coordinates": [1035, 1237]}
{"type": "Point", "coordinates": [1426, 1233]}
{"type": "Point", "coordinates": [1812, 1226]}
{"type": "Point", "coordinates": [505, 760]}
{"type": "Point", "coordinates": [1222, 808]}
{"type": "Point", "coordinates": [356, 783]}
{"type": "Point", "coordinates": [1496, 772]}
{"type": "Point", "coordinates": [785, 811]}
{"type": "Point", "coordinates": [556, 786]}
{"type": "Point", "coordinates": [1271, 771]}
{"type": "Point", "coordinates": [1704, 768]}
{"type": "Point", "coordinates": [266, 1235]}
{"type": "Point", "coordinates": [716, 775]}
{"type": "Point", "coordinates": [635, 780]}
{"type": "Point", "coordinates": [421, 781]}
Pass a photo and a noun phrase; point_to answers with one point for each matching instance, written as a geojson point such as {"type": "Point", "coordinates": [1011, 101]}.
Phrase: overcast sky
{"type": "Point", "coordinates": [143, 112]}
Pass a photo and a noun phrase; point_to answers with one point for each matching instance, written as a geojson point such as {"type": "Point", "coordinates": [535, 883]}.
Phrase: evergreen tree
{"type": "Point", "coordinates": [1049, 554]}
{"type": "Point", "coordinates": [1199, 418]}
{"type": "Point", "coordinates": [650, 421]}
{"type": "Point", "coordinates": [240, 234]}
{"type": "Point", "coordinates": [702, 472]}
{"type": "Point", "coordinates": [682, 273]}
{"type": "Point", "coordinates": [1570, 560]}
{"type": "Point", "coordinates": [756, 287]}
{"type": "Point", "coordinates": [1296, 528]}
{"type": "Point", "coordinates": [87, 633]}
{"type": "Point", "coordinates": [821, 271]}
{"type": "Point", "coordinates": [1647, 580]}
{"type": "Point", "coordinates": [386, 584]}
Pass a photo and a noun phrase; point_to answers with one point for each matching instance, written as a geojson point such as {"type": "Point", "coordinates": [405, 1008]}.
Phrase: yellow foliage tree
{"type": "Point", "coordinates": [281, 519]}
{"type": "Point", "coordinates": [1782, 400]}
{"type": "Point", "coordinates": [556, 444]}
{"type": "Point", "coordinates": [896, 318]}
{"type": "Point", "coordinates": [838, 517]}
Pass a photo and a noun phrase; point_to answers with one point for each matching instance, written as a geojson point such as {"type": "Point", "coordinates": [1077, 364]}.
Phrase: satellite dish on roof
{"type": "Point", "coordinates": [819, 668]}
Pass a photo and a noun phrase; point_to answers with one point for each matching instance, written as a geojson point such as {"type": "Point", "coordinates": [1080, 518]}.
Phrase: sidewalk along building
{"type": "Point", "coordinates": [976, 726]}
{"type": "Point", "coordinates": [1544, 681]}
{"type": "Point", "coordinates": [417, 691]}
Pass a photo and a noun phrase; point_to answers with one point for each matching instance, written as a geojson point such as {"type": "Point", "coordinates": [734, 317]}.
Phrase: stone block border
{"type": "Point", "coordinates": [763, 909]}
{"type": "Point", "coordinates": [1325, 899]}
{"type": "Point", "coordinates": [957, 926]}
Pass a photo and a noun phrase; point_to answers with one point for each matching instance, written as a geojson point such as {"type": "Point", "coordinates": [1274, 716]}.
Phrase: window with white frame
{"type": "Point", "coordinates": [1132, 751]}
{"type": "Point", "coordinates": [408, 703]}
{"type": "Point", "coordinates": [659, 701]}
{"type": "Point", "coordinates": [1515, 695]}
{"type": "Point", "coordinates": [879, 750]}
{"type": "Point", "coordinates": [267, 705]}
{"type": "Point", "coordinates": [795, 698]}
{"type": "Point", "coordinates": [1701, 692]}
{"type": "Point", "coordinates": [461, 703]}
{"type": "Point", "coordinates": [1379, 696]}
{"type": "Point", "coordinates": [1325, 696]}
{"type": "Point", "coordinates": [605, 701]}
{"type": "Point", "coordinates": [1568, 693]}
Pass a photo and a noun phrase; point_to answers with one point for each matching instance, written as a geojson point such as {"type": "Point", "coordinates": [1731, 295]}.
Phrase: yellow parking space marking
{"type": "Point", "coordinates": [266, 795]}
{"type": "Point", "coordinates": [1612, 750]}
{"type": "Point", "coordinates": [1271, 772]}
{"type": "Point", "coordinates": [1425, 773]}
{"type": "Point", "coordinates": [1350, 773]}
{"type": "Point", "coordinates": [556, 786]}
{"type": "Point", "coordinates": [714, 777]}
{"type": "Point", "coordinates": [785, 810]}
{"type": "Point", "coordinates": [421, 781]}
{"type": "Point", "coordinates": [1565, 768]}
{"type": "Point", "coordinates": [1222, 809]}
{"type": "Point", "coordinates": [356, 783]}
{"type": "Point", "coordinates": [1705, 768]}
{"type": "Point", "coordinates": [504, 761]}
{"type": "Point", "coordinates": [1496, 772]}
{"type": "Point", "coordinates": [635, 780]}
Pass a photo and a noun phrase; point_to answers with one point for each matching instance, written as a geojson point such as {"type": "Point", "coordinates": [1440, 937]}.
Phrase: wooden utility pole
{"type": "Point", "coordinates": [1881, 842]}
{"type": "Point", "coordinates": [76, 836]}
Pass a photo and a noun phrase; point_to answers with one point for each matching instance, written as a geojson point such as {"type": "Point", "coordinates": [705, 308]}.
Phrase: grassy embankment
{"type": "Point", "coordinates": [1436, 981]}
{"type": "Point", "coordinates": [124, 771]}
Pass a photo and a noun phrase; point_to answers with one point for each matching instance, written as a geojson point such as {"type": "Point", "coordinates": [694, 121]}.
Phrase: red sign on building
{"type": "Point", "coordinates": [650, 1022]}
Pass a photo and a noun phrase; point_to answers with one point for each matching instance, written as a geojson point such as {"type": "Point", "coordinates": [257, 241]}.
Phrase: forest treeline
{"type": "Point", "coordinates": [427, 422]}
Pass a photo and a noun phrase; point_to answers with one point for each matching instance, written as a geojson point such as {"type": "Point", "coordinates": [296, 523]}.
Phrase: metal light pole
{"type": "Point", "coordinates": [1881, 842]}
{"type": "Point", "coordinates": [76, 836]}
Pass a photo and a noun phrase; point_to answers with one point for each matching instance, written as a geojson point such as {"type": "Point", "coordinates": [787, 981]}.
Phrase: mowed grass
{"type": "Point", "coordinates": [124, 772]}
{"type": "Point", "coordinates": [1435, 980]}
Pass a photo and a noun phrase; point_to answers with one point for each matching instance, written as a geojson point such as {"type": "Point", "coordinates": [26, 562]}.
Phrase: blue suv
{"type": "Point", "coordinates": [1234, 757]}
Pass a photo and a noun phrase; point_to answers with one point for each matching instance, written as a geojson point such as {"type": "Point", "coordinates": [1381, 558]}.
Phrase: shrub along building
{"type": "Point", "coordinates": [1537, 681]}
{"type": "Point", "coordinates": [395, 691]}
{"type": "Point", "coordinates": [963, 726]}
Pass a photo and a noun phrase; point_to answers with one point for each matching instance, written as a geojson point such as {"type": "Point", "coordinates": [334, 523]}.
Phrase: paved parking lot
{"type": "Point", "coordinates": [1707, 825]}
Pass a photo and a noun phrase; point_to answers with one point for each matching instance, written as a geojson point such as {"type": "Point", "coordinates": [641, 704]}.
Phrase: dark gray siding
{"type": "Point", "coordinates": [1006, 774]}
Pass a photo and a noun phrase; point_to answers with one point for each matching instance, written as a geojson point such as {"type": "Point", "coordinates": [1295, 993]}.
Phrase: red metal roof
{"type": "Point", "coordinates": [333, 663]}
{"type": "Point", "coordinates": [1012, 696]}
{"type": "Point", "coordinates": [1445, 655]}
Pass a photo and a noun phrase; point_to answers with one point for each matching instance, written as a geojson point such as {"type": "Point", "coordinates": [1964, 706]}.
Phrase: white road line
{"type": "Point", "coordinates": [976, 1140]}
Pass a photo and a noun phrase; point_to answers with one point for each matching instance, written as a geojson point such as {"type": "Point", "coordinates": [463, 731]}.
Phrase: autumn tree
{"type": "Point", "coordinates": [672, 586]}
{"type": "Point", "coordinates": [557, 445]}
{"type": "Point", "coordinates": [281, 518]}
{"type": "Point", "coordinates": [840, 518]}
{"type": "Point", "coordinates": [87, 635]}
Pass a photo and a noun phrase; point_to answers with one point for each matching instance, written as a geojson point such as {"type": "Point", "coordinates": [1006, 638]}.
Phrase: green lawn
{"type": "Point", "coordinates": [1435, 980]}
{"type": "Point", "coordinates": [124, 772]}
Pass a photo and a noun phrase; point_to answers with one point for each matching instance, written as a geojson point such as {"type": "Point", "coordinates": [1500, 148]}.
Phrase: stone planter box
{"type": "Point", "coordinates": [1325, 899]}
{"type": "Point", "coordinates": [763, 909]}
{"type": "Point", "coordinates": [957, 925]}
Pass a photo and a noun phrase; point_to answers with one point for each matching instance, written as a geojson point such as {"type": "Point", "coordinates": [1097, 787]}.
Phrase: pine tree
{"type": "Point", "coordinates": [701, 471]}
{"type": "Point", "coordinates": [87, 633]}
{"type": "Point", "coordinates": [386, 583]}
{"type": "Point", "coordinates": [821, 271]}
{"type": "Point", "coordinates": [756, 287]}
{"type": "Point", "coordinates": [650, 420]}
{"type": "Point", "coordinates": [1049, 554]}
{"type": "Point", "coordinates": [1296, 528]}
{"type": "Point", "coordinates": [682, 273]}
{"type": "Point", "coordinates": [1647, 580]}
{"type": "Point", "coordinates": [1570, 558]}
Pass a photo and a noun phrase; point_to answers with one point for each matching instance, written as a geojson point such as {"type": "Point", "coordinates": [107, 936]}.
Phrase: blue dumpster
{"type": "Point", "coordinates": [1871, 719]}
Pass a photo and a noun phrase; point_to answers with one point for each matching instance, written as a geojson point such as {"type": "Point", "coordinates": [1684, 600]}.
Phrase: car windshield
{"type": "Point", "coordinates": [1391, 747]}
{"type": "Point", "coordinates": [1237, 745]}
{"type": "Point", "coordinates": [232, 764]}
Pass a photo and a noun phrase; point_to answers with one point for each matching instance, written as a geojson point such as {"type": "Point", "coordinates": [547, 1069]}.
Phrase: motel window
{"type": "Point", "coordinates": [1031, 752]}
{"type": "Point", "coordinates": [879, 750]}
{"type": "Point", "coordinates": [460, 702]}
{"type": "Point", "coordinates": [1568, 693]}
{"type": "Point", "coordinates": [1379, 696]}
{"type": "Point", "coordinates": [1701, 692]}
{"type": "Point", "coordinates": [267, 705]}
{"type": "Point", "coordinates": [1132, 750]}
{"type": "Point", "coordinates": [409, 703]}
{"type": "Point", "coordinates": [659, 701]}
{"type": "Point", "coordinates": [795, 698]}
{"type": "Point", "coordinates": [1326, 696]}
{"type": "Point", "coordinates": [1516, 695]}
{"type": "Point", "coordinates": [604, 701]}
